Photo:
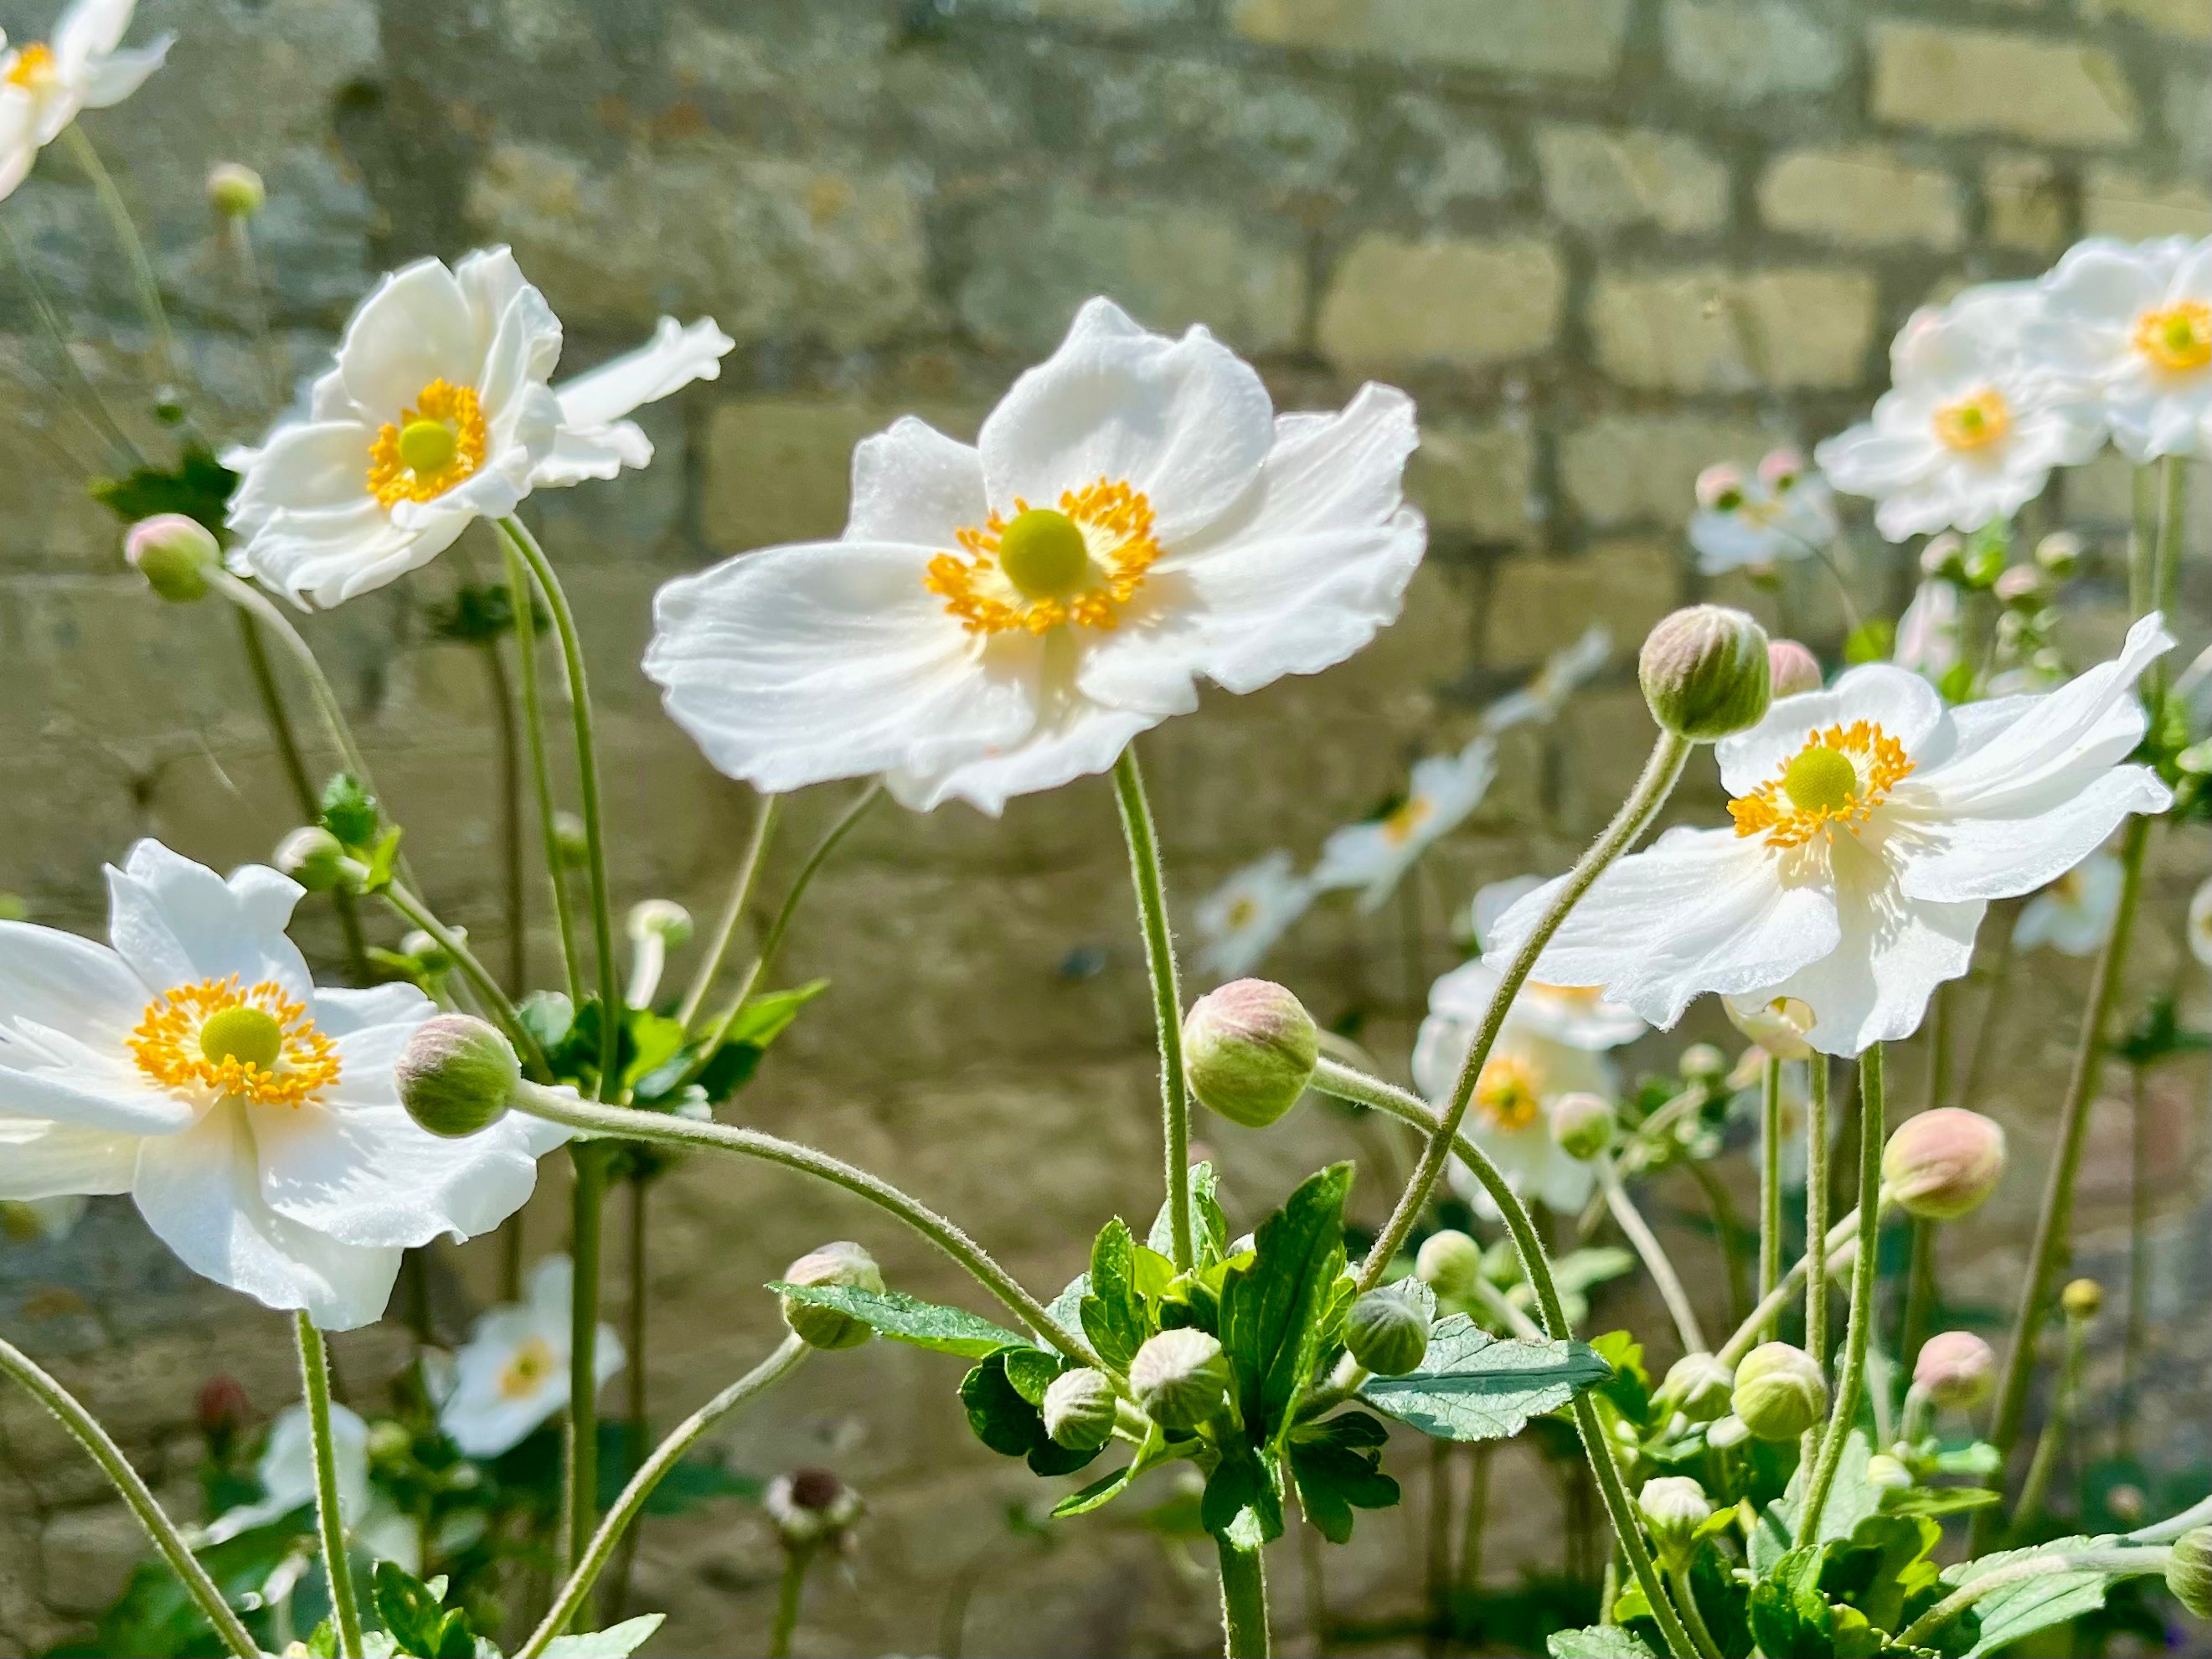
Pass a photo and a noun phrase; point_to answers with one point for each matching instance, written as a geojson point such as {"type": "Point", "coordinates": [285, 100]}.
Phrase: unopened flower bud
{"type": "Point", "coordinates": [844, 1264]}
{"type": "Point", "coordinates": [2189, 1571]}
{"type": "Point", "coordinates": [663, 919]}
{"type": "Point", "coordinates": [1942, 1164]}
{"type": "Point", "coordinates": [1250, 1049]}
{"type": "Point", "coordinates": [1703, 1063]}
{"type": "Point", "coordinates": [429, 955]}
{"type": "Point", "coordinates": [570, 840]}
{"type": "Point", "coordinates": [1985, 563]}
{"type": "Point", "coordinates": [222, 1407]}
{"type": "Point", "coordinates": [175, 553]}
{"type": "Point", "coordinates": [235, 191]}
{"type": "Point", "coordinates": [1956, 1368]}
{"type": "Point", "coordinates": [1792, 669]}
{"type": "Point", "coordinates": [1449, 1263]}
{"type": "Point", "coordinates": [457, 1074]}
{"type": "Point", "coordinates": [1780, 469]}
{"type": "Point", "coordinates": [1779, 1391]}
{"type": "Point", "coordinates": [1581, 1124]}
{"type": "Point", "coordinates": [1885, 1474]}
{"type": "Point", "coordinates": [1180, 1377]}
{"type": "Point", "coordinates": [388, 1439]}
{"type": "Point", "coordinates": [1704, 672]}
{"type": "Point", "coordinates": [1944, 558]}
{"type": "Point", "coordinates": [2059, 553]}
{"type": "Point", "coordinates": [810, 1507]}
{"type": "Point", "coordinates": [1079, 1409]}
{"type": "Point", "coordinates": [1674, 1507]}
{"type": "Point", "coordinates": [1720, 488]}
{"type": "Point", "coordinates": [1387, 1330]}
{"type": "Point", "coordinates": [1777, 1025]}
{"type": "Point", "coordinates": [2083, 1299]}
{"type": "Point", "coordinates": [2023, 584]}
{"type": "Point", "coordinates": [1698, 1385]}
{"type": "Point", "coordinates": [311, 856]}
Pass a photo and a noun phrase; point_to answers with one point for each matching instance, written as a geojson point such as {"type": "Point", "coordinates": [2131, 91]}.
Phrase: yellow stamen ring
{"type": "Point", "coordinates": [257, 1044]}
{"type": "Point", "coordinates": [34, 67]}
{"type": "Point", "coordinates": [1080, 563]}
{"type": "Point", "coordinates": [1974, 423]}
{"type": "Point", "coordinates": [1838, 777]}
{"type": "Point", "coordinates": [2178, 337]}
{"type": "Point", "coordinates": [1505, 1093]}
{"type": "Point", "coordinates": [430, 448]}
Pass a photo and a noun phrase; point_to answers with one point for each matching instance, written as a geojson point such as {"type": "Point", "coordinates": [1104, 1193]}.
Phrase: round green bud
{"type": "Point", "coordinates": [1180, 1377]}
{"type": "Point", "coordinates": [1942, 1164]}
{"type": "Point", "coordinates": [2024, 584]}
{"type": "Point", "coordinates": [1791, 670]}
{"type": "Point", "coordinates": [235, 191]}
{"type": "Point", "coordinates": [1956, 1368]}
{"type": "Point", "coordinates": [1249, 1049]}
{"type": "Point", "coordinates": [457, 1074]}
{"type": "Point", "coordinates": [1449, 1263]}
{"type": "Point", "coordinates": [663, 919]}
{"type": "Point", "coordinates": [2060, 554]}
{"type": "Point", "coordinates": [1704, 672]}
{"type": "Point", "coordinates": [1779, 1391]}
{"type": "Point", "coordinates": [430, 956]}
{"type": "Point", "coordinates": [570, 840]}
{"type": "Point", "coordinates": [1698, 1385]}
{"type": "Point", "coordinates": [2083, 1299]}
{"type": "Point", "coordinates": [175, 553]}
{"type": "Point", "coordinates": [1703, 1062]}
{"type": "Point", "coordinates": [311, 856]}
{"type": "Point", "coordinates": [1885, 1474]}
{"type": "Point", "coordinates": [388, 1439]}
{"type": "Point", "coordinates": [1674, 1507]}
{"type": "Point", "coordinates": [1079, 1409]}
{"type": "Point", "coordinates": [1581, 1124]}
{"type": "Point", "coordinates": [845, 1264]}
{"type": "Point", "coordinates": [1387, 1330]}
{"type": "Point", "coordinates": [1944, 558]}
{"type": "Point", "coordinates": [2189, 1571]}
{"type": "Point", "coordinates": [1984, 564]}
{"type": "Point", "coordinates": [1043, 554]}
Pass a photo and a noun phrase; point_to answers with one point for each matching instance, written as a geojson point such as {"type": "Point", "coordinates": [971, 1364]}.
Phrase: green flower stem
{"type": "Point", "coordinates": [1753, 1331]}
{"type": "Point", "coordinates": [35, 1382]}
{"type": "Point", "coordinates": [330, 1524]}
{"type": "Point", "coordinates": [1665, 765]}
{"type": "Point", "coordinates": [238, 235]}
{"type": "Point", "coordinates": [1860, 1330]}
{"type": "Point", "coordinates": [625, 1123]}
{"type": "Point", "coordinates": [1167, 1007]}
{"type": "Point", "coordinates": [2058, 1427]}
{"type": "Point", "coordinates": [264, 611]}
{"type": "Point", "coordinates": [1818, 1127]}
{"type": "Point", "coordinates": [501, 697]}
{"type": "Point", "coordinates": [636, 1306]}
{"type": "Point", "coordinates": [1495, 1303]}
{"type": "Point", "coordinates": [1728, 1231]}
{"type": "Point", "coordinates": [1686, 1596]}
{"type": "Point", "coordinates": [522, 600]}
{"type": "Point", "coordinates": [734, 911]}
{"type": "Point", "coordinates": [1653, 1255]}
{"type": "Point", "coordinates": [1344, 1082]}
{"type": "Point", "coordinates": [586, 1206]}
{"type": "Point", "coordinates": [2198, 1514]}
{"type": "Point", "coordinates": [1919, 1291]}
{"type": "Point", "coordinates": [125, 447]}
{"type": "Point", "coordinates": [2119, 1563]}
{"type": "Point", "coordinates": [403, 899]}
{"type": "Point", "coordinates": [1770, 1182]}
{"type": "Point", "coordinates": [1244, 1632]}
{"type": "Point", "coordinates": [134, 250]}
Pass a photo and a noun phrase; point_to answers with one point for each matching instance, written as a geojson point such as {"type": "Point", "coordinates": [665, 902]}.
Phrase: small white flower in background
{"type": "Point", "coordinates": [2074, 915]}
{"type": "Point", "coordinates": [250, 1113]}
{"type": "Point", "coordinates": [514, 1373]}
{"type": "Point", "coordinates": [1928, 633]}
{"type": "Point", "coordinates": [1509, 1116]}
{"type": "Point", "coordinates": [286, 1470]}
{"type": "Point", "coordinates": [2200, 924]}
{"type": "Point", "coordinates": [1784, 513]}
{"type": "Point", "coordinates": [1577, 1016]}
{"type": "Point", "coordinates": [1239, 921]}
{"type": "Point", "coordinates": [438, 413]}
{"type": "Point", "coordinates": [1564, 672]}
{"type": "Point", "coordinates": [40, 1220]}
{"type": "Point", "coordinates": [1001, 619]}
{"type": "Point", "coordinates": [1797, 1103]}
{"type": "Point", "coordinates": [2128, 327]}
{"type": "Point", "coordinates": [1873, 826]}
{"type": "Point", "coordinates": [1375, 854]}
{"type": "Point", "coordinates": [1970, 428]}
{"type": "Point", "coordinates": [44, 84]}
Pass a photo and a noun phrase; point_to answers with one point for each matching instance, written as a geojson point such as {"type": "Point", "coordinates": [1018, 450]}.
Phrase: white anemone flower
{"type": "Point", "coordinates": [1509, 1116]}
{"type": "Point", "coordinates": [2074, 915]}
{"type": "Point", "coordinates": [44, 84]}
{"type": "Point", "coordinates": [2200, 924]}
{"type": "Point", "coordinates": [1873, 826]}
{"type": "Point", "coordinates": [286, 1470]}
{"type": "Point", "coordinates": [1239, 921]}
{"type": "Point", "coordinates": [1972, 426]}
{"type": "Point", "coordinates": [1564, 671]}
{"type": "Point", "coordinates": [2128, 326]}
{"type": "Point", "coordinates": [1374, 854]}
{"type": "Point", "coordinates": [514, 1373]}
{"type": "Point", "coordinates": [1782, 514]}
{"type": "Point", "coordinates": [1001, 619]}
{"type": "Point", "coordinates": [436, 413]}
{"type": "Point", "coordinates": [252, 1114]}
{"type": "Point", "coordinates": [1578, 1016]}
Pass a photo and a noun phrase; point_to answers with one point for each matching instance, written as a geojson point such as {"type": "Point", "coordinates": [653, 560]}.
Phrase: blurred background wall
{"type": "Point", "coordinates": [1604, 243]}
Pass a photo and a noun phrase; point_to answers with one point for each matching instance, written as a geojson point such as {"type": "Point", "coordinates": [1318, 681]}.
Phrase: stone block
{"type": "Point", "coordinates": [1477, 481]}
{"type": "Point", "coordinates": [2026, 203]}
{"type": "Point", "coordinates": [1864, 197]}
{"type": "Point", "coordinates": [1574, 39]}
{"type": "Point", "coordinates": [780, 469]}
{"type": "Point", "coordinates": [1956, 80]}
{"type": "Point", "coordinates": [1258, 136]}
{"type": "Point", "coordinates": [1709, 329]}
{"type": "Point", "coordinates": [2182, 18]}
{"type": "Point", "coordinates": [1598, 178]}
{"type": "Point", "coordinates": [1393, 303]}
{"type": "Point", "coordinates": [1639, 469]}
{"type": "Point", "coordinates": [86, 1555]}
{"type": "Point", "coordinates": [1539, 603]}
{"type": "Point", "coordinates": [1746, 52]}
{"type": "Point", "coordinates": [1446, 161]}
{"type": "Point", "coordinates": [2119, 201]}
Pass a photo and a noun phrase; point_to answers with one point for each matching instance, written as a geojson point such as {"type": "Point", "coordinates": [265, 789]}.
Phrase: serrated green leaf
{"type": "Point", "coordinates": [1113, 1314]}
{"type": "Point", "coordinates": [1010, 1424]}
{"type": "Point", "coordinates": [1244, 1500]}
{"type": "Point", "coordinates": [615, 1642]}
{"type": "Point", "coordinates": [1271, 1311]}
{"type": "Point", "coordinates": [907, 1319]}
{"type": "Point", "coordinates": [1097, 1495]}
{"type": "Point", "coordinates": [412, 1616]}
{"type": "Point", "coordinates": [1597, 1642]}
{"type": "Point", "coordinates": [2033, 1604]}
{"type": "Point", "coordinates": [1209, 1227]}
{"type": "Point", "coordinates": [382, 859]}
{"type": "Point", "coordinates": [1851, 1499]}
{"type": "Point", "coordinates": [1474, 1386]}
{"type": "Point", "coordinates": [1031, 1371]}
{"type": "Point", "coordinates": [548, 1015]}
{"type": "Point", "coordinates": [1936, 1500]}
{"type": "Point", "coordinates": [199, 486]}
{"type": "Point", "coordinates": [1335, 1466]}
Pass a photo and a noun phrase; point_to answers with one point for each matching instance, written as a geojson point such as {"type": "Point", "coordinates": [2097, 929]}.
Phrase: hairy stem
{"type": "Point", "coordinates": [1145, 872]}
{"type": "Point", "coordinates": [330, 1524]}
{"type": "Point", "coordinates": [734, 911]}
{"type": "Point", "coordinates": [411, 905]}
{"type": "Point", "coordinates": [2058, 1428]}
{"type": "Point", "coordinates": [1860, 1329]}
{"type": "Point", "coordinates": [1842, 1238]}
{"type": "Point", "coordinates": [501, 697]}
{"type": "Point", "coordinates": [1818, 1130]}
{"type": "Point", "coordinates": [1654, 1257]}
{"type": "Point", "coordinates": [635, 1307]}
{"type": "Point", "coordinates": [1770, 1182]}
{"type": "Point", "coordinates": [1244, 1632]}
{"type": "Point", "coordinates": [523, 601]}
{"type": "Point", "coordinates": [2119, 1563]}
{"type": "Point", "coordinates": [796, 1560]}
{"type": "Point", "coordinates": [587, 1208]}
{"type": "Point", "coordinates": [1686, 1596]}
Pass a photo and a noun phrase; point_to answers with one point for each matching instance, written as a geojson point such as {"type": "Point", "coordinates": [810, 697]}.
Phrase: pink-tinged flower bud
{"type": "Point", "coordinates": [1250, 1049]}
{"type": "Point", "coordinates": [235, 191]}
{"type": "Point", "coordinates": [222, 1407]}
{"type": "Point", "coordinates": [2189, 1571]}
{"type": "Point", "coordinates": [2083, 1299]}
{"type": "Point", "coordinates": [457, 1074]}
{"type": "Point", "coordinates": [1942, 1165]}
{"type": "Point", "coordinates": [175, 553]}
{"type": "Point", "coordinates": [1956, 1368]}
{"type": "Point", "coordinates": [1779, 1391]}
{"type": "Point", "coordinates": [1720, 488]}
{"type": "Point", "coordinates": [2022, 585]}
{"type": "Point", "coordinates": [1704, 672]}
{"type": "Point", "coordinates": [844, 1264]}
{"type": "Point", "coordinates": [1581, 1124]}
{"type": "Point", "coordinates": [1703, 1063]}
{"type": "Point", "coordinates": [1944, 558]}
{"type": "Point", "coordinates": [1791, 670]}
{"type": "Point", "coordinates": [1781, 469]}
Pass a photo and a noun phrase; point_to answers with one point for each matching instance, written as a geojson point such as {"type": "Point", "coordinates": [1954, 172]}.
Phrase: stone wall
{"type": "Point", "coordinates": [1603, 242]}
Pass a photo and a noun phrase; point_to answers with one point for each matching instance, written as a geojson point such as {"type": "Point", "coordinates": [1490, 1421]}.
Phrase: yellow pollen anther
{"type": "Point", "coordinates": [1973, 423]}
{"type": "Point", "coordinates": [430, 448]}
{"type": "Point", "coordinates": [256, 1044]}
{"type": "Point", "coordinates": [1244, 913]}
{"type": "Point", "coordinates": [1031, 574]}
{"type": "Point", "coordinates": [1839, 776]}
{"type": "Point", "coordinates": [531, 1363]}
{"type": "Point", "coordinates": [34, 67]}
{"type": "Point", "coordinates": [244, 1033]}
{"type": "Point", "coordinates": [1404, 819]}
{"type": "Point", "coordinates": [2178, 337]}
{"type": "Point", "coordinates": [1505, 1093]}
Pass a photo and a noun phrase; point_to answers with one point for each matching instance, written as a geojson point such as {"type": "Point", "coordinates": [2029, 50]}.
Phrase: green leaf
{"type": "Point", "coordinates": [411, 1614]}
{"type": "Point", "coordinates": [1850, 1500]}
{"type": "Point", "coordinates": [1009, 1424]}
{"type": "Point", "coordinates": [615, 1642]}
{"type": "Point", "coordinates": [907, 1319]}
{"type": "Point", "coordinates": [1209, 1227]}
{"type": "Point", "coordinates": [382, 859]}
{"type": "Point", "coordinates": [478, 613]}
{"type": "Point", "coordinates": [1271, 1310]}
{"type": "Point", "coordinates": [759, 1023]}
{"type": "Point", "coordinates": [649, 1041]}
{"type": "Point", "coordinates": [1474, 1386]}
{"type": "Point", "coordinates": [766, 1018]}
{"type": "Point", "coordinates": [1597, 1642]}
{"type": "Point", "coordinates": [1936, 1500]}
{"type": "Point", "coordinates": [199, 486]}
{"type": "Point", "coordinates": [349, 811]}
{"type": "Point", "coordinates": [1629, 1388]}
{"type": "Point", "coordinates": [2033, 1604]}
{"type": "Point", "coordinates": [1335, 1465]}
{"type": "Point", "coordinates": [1872, 641]}
{"type": "Point", "coordinates": [548, 1015]}
{"type": "Point", "coordinates": [1113, 1313]}
{"type": "Point", "coordinates": [1790, 1617]}
{"type": "Point", "coordinates": [1031, 1371]}
{"type": "Point", "coordinates": [1243, 1501]}
{"type": "Point", "coordinates": [1156, 1451]}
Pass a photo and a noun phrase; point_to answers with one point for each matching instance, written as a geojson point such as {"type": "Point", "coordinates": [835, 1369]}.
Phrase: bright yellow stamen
{"type": "Point", "coordinates": [2178, 337]}
{"type": "Point", "coordinates": [34, 67]}
{"type": "Point", "coordinates": [523, 1374]}
{"type": "Point", "coordinates": [1025, 574]}
{"type": "Point", "coordinates": [257, 1044]}
{"type": "Point", "coordinates": [1839, 776]}
{"type": "Point", "coordinates": [1505, 1093]}
{"type": "Point", "coordinates": [1404, 819]}
{"type": "Point", "coordinates": [430, 448]}
{"type": "Point", "coordinates": [1975, 422]}
{"type": "Point", "coordinates": [1244, 913]}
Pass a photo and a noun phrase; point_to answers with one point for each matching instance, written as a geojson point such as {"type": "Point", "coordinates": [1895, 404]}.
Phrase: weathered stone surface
{"type": "Point", "coordinates": [1629, 469]}
{"type": "Point", "coordinates": [1747, 51]}
{"type": "Point", "coordinates": [1979, 80]}
{"type": "Point", "coordinates": [1579, 39]}
{"type": "Point", "coordinates": [87, 1554]}
{"type": "Point", "coordinates": [1539, 603]}
{"type": "Point", "coordinates": [1476, 480]}
{"type": "Point", "coordinates": [1714, 330]}
{"type": "Point", "coordinates": [1393, 303]}
{"type": "Point", "coordinates": [779, 470]}
{"type": "Point", "coordinates": [2180, 17]}
{"type": "Point", "coordinates": [2026, 203]}
{"type": "Point", "coordinates": [2119, 201]}
{"type": "Point", "coordinates": [1599, 179]}
{"type": "Point", "coordinates": [1861, 196]}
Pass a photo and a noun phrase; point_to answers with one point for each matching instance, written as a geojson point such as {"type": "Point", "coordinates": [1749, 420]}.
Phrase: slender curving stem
{"type": "Point", "coordinates": [330, 1523]}
{"type": "Point", "coordinates": [734, 911]}
{"type": "Point", "coordinates": [1345, 1082]}
{"type": "Point", "coordinates": [134, 249]}
{"type": "Point", "coordinates": [1665, 765]}
{"type": "Point", "coordinates": [2058, 1427]}
{"type": "Point", "coordinates": [41, 1386]}
{"type": "Point", "coordinates": [1860, 1330]}
{"type": "Point", "coordinates": [1842, 1238]}
{"type": "Point", "coordinates": [1820, 1129]}
{"type": "Point", "coordinates": [1145, 872]}
{"type": "Point", "coordinates": [127, 450]}
{"type": "Point", "coordinates": [624, 1122]}
{"type": "Point", "coordinates": [522, 600]}
{"type": "Point", "coordinates": [265, 611]}
{"type": "Point", "coordinates": [501, 696]}
{"type": "Point", "coordinates": [1770, 1178]}
{"type": "Point", "coordinates": [1686, 1594]}
{"type": "Point", "coordinates": [797, 1558]}
{"type": "Point", "coordinates": [1647, 1246]}
{"type": "Point", "coordinates": [2198, 1514]}
{"type": "Point", "coordinates": [410, 905]}
{"type": "Point", "coordinates": [1244, 1630]}
{"type": "Point", "coordinates": [2119, 1563]}
{"type": "Point", "coordinates": [587, 1206]}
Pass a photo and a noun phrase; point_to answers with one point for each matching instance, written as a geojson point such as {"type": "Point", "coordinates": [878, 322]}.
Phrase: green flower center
{"type": "Point", "coordinates": [1042, 553]}
{"type": "Point", "coordinates": [1820, 779]}
{"type": "Point", "coordinates": [428, 447]}
{"type": "Point", "coordinates": [248, 1034]}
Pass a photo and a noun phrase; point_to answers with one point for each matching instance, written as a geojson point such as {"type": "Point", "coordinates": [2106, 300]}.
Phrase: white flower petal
{"type": "Point", "coordinates": [317, 465]}
{"type": "Point", "coordinates": [914, 486]}
{"type": "Point", "coordinates": [331, 555]}
{"type": "Point", "coordinates": [1903, 704]}
{"type": "Point", "coordinates": [176, 922]}
{"type": "Point", "coordinates": [41, 1159]}
{"type": "Point", "coordinates": [89, 29]}
{"type": "Point", "coordinates": [672, 359]}
{"type": "Point", "coordinates": [115, 77]}
{"type": "Point", "coordinates": [56, 979]}
{"type": "Point", "coordinates": [1071, 738]}
{"type": "Point", "coordinates": [415, 328]}
{"type": "Point", "coordinates": [340, 1012]}
{"type": "Point", "coordinates": [2003, 855]}
{"type": "Point", "coordinates": [109, 1100]}
{"type": "Point", "coordinates": [1240, 921]}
